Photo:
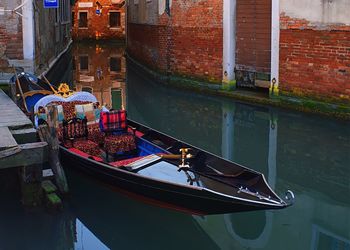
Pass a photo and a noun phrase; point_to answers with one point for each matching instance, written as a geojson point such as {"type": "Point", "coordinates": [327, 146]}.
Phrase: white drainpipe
{"type": "Point", "coordinates": [28, 29]}
{"type": "Point", "coordinates": [275, 43]}
{"type": "Point", "coordinates": [229, 40]}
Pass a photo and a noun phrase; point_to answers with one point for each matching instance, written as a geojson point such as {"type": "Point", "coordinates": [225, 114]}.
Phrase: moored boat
{"type": "Point", "coordinates": [29, 89]}
{"type": "Point", "coordinates": [149, 165]}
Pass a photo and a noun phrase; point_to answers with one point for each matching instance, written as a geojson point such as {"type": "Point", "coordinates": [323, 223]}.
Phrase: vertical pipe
{"type": "Point", "coordinates": [229, 40]}
{"type": "Point", "coordinates": [275, 40]}
{"type": "Point", "coordinates": [28, 29]}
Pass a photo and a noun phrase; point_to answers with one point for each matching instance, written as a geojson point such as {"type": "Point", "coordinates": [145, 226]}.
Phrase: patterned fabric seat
{"type": "Point", "coordinates": [88, 147]}
{"type": "Point", "coordinates": [95, 135]}
{"type": "Point", "coordinates": [119, 143]}
{"type": "Point", "coordinates": [75, 135]}
{"type": "Point", "coordinates": [117, 139]}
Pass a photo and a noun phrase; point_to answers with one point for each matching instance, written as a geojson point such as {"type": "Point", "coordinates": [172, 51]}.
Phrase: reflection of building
{"type": "Point", "coordinates": [101, 19]}
{"type": "Point", "coordinates": [100, 70]}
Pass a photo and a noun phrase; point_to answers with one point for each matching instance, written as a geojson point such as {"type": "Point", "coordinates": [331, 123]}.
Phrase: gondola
{"type": "Point", "coordinates": [162, 170]}
{"type": "Point", "coordinates": [29, 89]}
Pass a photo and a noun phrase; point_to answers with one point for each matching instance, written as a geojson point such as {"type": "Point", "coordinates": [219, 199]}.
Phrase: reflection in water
{"type": "Point", "coordinates": [307, 154]}
{"type": "Point", "coordinates": [121, 223]}
{"type": "Point", "coordinates": [99, 68]}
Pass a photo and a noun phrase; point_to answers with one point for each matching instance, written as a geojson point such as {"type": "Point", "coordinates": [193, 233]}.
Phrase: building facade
{"type": "Point", "coordinates": [32, 37]}
{"type": "Point", "coordinates": [291, 48]}
{"type": "Point", "coordinates": [103, 19]}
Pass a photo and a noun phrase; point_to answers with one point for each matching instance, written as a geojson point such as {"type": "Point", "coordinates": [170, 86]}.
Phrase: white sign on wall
{"type": "Point", "coordinates": [85, 5]}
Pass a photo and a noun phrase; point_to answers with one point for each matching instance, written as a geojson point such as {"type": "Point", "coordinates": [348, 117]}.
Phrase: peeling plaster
{"type": "Point", "coordinates": [318, 11]}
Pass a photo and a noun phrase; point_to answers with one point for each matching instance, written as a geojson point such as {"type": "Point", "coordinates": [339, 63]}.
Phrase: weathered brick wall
{"type": "Point", "coordinates": [315, 50]}
{"type": "Point", "coordinates": [315, 63]}
{"type": "Point", "coordinates": [144, 44]}
{"type": "Point", "coordinates": [11, 41]}
{"type": "Point", "coordinates": [188, 43]}
{"type": "Point", "coordinates": [98, 25]}
{"type": "Point", "coordinates": [196, 45]}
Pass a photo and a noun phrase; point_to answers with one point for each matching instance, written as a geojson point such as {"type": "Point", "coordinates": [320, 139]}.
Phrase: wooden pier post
{"type": "Point", "coordinates": [48, 134]}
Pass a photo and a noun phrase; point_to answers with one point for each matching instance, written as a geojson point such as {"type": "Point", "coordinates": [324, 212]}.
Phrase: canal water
{"type": "Point", "coordinates": [307, 154]}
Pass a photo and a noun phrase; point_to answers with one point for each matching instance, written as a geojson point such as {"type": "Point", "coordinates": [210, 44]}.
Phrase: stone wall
{"type": "Point", "coordinates": [315, 49]}
{"type": "Point", "coordinates": [98, 24]}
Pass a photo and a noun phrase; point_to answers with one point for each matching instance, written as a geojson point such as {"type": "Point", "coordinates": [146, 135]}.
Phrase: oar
{"type": "Point", "coordinates": [20, 90]}
{"type": "Point", "coordinates": [47, 81]}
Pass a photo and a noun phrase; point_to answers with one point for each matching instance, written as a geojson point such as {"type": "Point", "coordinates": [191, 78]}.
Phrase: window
{"type": "Point", "coordinates": [115, 64]}
{"type": "Point", "coordinates": [117, 99]}
{"type": "Point", "coordinates": [83, 21]}
{"type": "Point", "coordinates": [73, 18]}
{"type": "Point", "coordinates": [84, 62]}
{"type": "Point", "coordinates": [114, 19]}
{"type": "Point", "coordinates": [87, 89]}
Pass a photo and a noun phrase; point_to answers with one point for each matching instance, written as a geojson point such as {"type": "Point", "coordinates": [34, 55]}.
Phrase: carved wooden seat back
{"type": "Point", "coordinates": [75, 128]}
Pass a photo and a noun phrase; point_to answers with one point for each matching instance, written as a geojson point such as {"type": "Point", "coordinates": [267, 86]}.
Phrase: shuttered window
{"type": "Point", "coordinates": [83, 21]}
{"type": "Point", "coordinates": [114, 19]}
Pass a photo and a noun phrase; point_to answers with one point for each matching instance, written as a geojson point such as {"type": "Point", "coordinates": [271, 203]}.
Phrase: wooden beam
{"type": "Point", "coordinates": [6, 139]}
{"type": "Point", "coordinates": [26, 155]}
{"type": "Point", "coordinates": [49, 135]}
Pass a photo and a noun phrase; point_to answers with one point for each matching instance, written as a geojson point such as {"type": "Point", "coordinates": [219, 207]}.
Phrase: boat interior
{"type": "Point", "coordinates": [107, 138]}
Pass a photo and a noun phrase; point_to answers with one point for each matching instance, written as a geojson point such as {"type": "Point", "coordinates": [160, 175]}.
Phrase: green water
{"type": "Point", "coordinates": [304, 153]}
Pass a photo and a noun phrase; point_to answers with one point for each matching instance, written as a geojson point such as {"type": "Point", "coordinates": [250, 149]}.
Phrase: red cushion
{"type": "Point", "coordinates": [119, 143]}
{"type": "Point", "coordinates": [95, 135]}
{"type": "Point", "coordinates": [113, 120]}
{"type": "Point", "coordinates": [125, 162]}
{"type": "Point", "coordinates": [81, 153]}
{"type": "Point", "coordinates": [88, 147]}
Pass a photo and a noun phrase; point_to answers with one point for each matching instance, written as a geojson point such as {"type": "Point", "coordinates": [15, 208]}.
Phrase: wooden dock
{"type": "Point", "coordinates": [18, 140]}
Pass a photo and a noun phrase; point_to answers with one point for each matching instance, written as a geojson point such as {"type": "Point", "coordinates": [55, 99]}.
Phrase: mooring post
{"type": "Point", "coordinates": [52, 140]}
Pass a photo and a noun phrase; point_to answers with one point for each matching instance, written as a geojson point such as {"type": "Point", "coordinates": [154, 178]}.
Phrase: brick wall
{"type": "Point", "coordinates": [11, 41]}
{"type": "Point", "coordinates": [98, 25]}
{"type": "Point", "coordinates": [188, 43]}
{"type": "Point", "coordinates": [314, 60]}
{"type": "Point", "coordinates": [144, 44]}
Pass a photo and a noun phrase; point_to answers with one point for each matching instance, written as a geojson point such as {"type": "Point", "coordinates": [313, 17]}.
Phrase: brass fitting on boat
{"type": "Point", "coordinates": [184, 155]}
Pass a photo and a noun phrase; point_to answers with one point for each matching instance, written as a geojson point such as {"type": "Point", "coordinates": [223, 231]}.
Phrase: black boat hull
{"type": "Point", "coordinates": [178, 197]}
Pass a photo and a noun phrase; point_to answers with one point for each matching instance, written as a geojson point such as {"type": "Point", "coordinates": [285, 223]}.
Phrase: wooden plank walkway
{"type": "Point", "coordinates": [6, 138]}
{"type": "Point", "coordinates": [10, 114]}
{"type": "Point", "coordinates": [14, 123]}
